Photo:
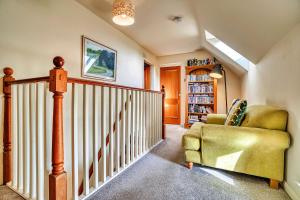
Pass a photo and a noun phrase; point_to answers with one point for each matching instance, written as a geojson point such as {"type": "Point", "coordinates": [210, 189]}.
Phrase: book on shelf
{"type": "Point", "coordinates": [193, 119]}
{"type": "Point", "coordinates": [196, 118]}
{"type": "Point", "coordinates": [201, 99]}
{"type": "Point", "coordinates": [200, 88]}
{"type": "Point", "coordinates": [195, 108]}
{"type": "Point", "coordinates": [200, 77]}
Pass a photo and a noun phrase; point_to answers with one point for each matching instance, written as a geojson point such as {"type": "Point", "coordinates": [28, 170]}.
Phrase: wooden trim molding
{"type": "Point", "coordinates": [7, 134]}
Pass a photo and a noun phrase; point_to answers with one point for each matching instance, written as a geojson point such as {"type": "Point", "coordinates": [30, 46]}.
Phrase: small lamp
{"type": "Point", "coordinates": [217, 73]}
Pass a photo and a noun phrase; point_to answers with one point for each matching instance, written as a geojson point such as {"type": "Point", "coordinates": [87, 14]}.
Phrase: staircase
{"type": "Point", "coordinates": [64, 137]}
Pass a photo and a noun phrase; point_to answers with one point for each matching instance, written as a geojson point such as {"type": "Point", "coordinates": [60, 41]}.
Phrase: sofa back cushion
{"type": "Point", "coordinates": [236, 113]}
{"type": "Point", "coordinates": [268, 117]}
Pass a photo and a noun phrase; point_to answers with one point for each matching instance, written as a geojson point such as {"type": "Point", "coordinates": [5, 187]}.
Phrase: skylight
{"type": "Point", "coordinates": [227, 50]}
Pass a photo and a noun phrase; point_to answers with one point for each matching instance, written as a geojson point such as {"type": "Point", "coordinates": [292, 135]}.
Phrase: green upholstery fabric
{"type": "Point", "coordinates": [216, 119]}
{"type": "Point", "coordinates": [252, 151]}
{"type": "Point", "coordinates": [193, 156]}
{"type": "Point", "coordinates": [191, 140]}
{"type": "Point", "coordinates": [249, 150]}
{"type": "Point", "coordinates": [267, 117]}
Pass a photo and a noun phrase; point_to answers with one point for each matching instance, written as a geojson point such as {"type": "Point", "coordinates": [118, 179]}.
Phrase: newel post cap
{"type": "Point", "coordinates": [162, 88]}
{"type": "Point", "coordinates": [58, 62]}
{"type": "Point", "coordinates": [8, 71]}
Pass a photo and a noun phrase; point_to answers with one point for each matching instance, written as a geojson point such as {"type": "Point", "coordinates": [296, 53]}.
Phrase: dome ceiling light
{"type": "Point", "coordinates": [123, 12]}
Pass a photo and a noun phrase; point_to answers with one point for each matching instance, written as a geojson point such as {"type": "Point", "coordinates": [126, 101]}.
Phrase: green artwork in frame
{"type": "Point", "coordinates": [98, 61]}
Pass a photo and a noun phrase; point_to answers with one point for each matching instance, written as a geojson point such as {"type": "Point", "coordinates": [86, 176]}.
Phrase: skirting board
{"type": "Point", "coordinates": [290, 191]}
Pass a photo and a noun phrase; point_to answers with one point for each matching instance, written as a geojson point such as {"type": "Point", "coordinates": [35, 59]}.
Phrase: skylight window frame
{"type": "Point", "coordinates": [227, 50]}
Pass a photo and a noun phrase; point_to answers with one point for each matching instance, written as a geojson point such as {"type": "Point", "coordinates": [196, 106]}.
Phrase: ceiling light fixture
{"type": "Point", "coordinates": [123, 12]}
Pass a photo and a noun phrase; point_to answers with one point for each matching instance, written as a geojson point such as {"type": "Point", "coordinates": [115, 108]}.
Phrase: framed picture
{"type": "Point", "coordinates": [98, 60]}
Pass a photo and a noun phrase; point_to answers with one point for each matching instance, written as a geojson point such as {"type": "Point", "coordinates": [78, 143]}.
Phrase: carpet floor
{"type": "Point", "coordinates": [161, 175]}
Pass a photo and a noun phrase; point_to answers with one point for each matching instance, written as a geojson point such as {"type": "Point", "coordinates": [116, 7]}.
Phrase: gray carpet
{"type": "Point", "coordinates": [161, 175]}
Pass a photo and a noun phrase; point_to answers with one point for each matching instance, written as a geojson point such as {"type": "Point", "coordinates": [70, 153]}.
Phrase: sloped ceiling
{"type": "Point", "coordinates": [249, 27]}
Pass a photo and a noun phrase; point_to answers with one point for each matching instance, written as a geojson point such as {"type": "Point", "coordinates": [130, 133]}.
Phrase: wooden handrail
{"type": "Point", "coordinates": [29, 80]}
{"type": "Point", "coordinates": [97, 83]}
{"type": "Point", "coordinates": [79, 81]}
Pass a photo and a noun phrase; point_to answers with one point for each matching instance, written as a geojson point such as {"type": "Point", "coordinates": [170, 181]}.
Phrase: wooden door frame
{"type": "Point", "coordinates": [150, 69]}
{"type": "Point", "coordinates": [179, 89]}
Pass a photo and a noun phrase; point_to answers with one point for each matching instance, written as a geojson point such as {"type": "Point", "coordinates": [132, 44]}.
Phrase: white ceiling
{"type": "Point", "coordinates": [250, 27]}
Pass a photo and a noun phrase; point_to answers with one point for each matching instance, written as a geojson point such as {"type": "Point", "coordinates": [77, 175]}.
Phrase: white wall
{"type": "Point", "coordinates": [233, 81]}
{"type": "Point", "coordinates": [275, 81]}
{"type": "Point", "coordinates": [33, 32]}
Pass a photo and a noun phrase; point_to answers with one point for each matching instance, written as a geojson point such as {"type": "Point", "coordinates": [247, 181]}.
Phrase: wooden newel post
{"type": "Point", "coordinates": [58, 177]}
{"type": "Point", "coordinates": [163, 112]}
{"type": "Point", "coordinates": [7, 158]}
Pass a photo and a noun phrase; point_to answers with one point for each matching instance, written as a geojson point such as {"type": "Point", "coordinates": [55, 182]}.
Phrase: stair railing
{"type": "Point", "coordinates": [117, 124]}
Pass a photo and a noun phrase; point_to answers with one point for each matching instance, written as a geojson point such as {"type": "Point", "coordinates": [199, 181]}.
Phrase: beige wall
{"type": "Point", "coordinates": [33, 32]}
{"type": "Point", "coordinates": [233, 81]}
{"type": "Point", "coordinates": [275, 81]}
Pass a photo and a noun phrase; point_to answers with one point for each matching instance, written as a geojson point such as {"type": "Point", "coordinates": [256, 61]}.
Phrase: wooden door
{"type": "Point", "coordinates": [170, 78]}
{"type": "Point", "coordinates": [147, 76]}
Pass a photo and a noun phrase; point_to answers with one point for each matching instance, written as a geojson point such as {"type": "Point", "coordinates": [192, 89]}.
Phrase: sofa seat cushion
{"type": "Point", "coordinates": [191, 140]}
{"type": "Point", "coordinates": [267, 117]}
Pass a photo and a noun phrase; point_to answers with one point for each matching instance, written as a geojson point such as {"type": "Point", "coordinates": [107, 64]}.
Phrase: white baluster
{"type": "Point", "coordinates": [128, 123]}
{"type": "Point", "coordinates": [140, 122]}
{"type": "Point", "coordinates": [33, 141]}
{"type": "Point", "coordinates": [136, 140]}
{"type": "Point", "coordinates": [144, 120]}
{"type": "Point", "coordinates": [15, 134]}
{"type": "Point", "coordinates": [117, 127]}
{"type": "Point", "coordinates": [111, 130]}
{"type": "Point", "coordinates": [75, 141]}
{"type": "Point", "coordinates": [133, 125]}
{"type": "Point", "coordinates": [86, 177]}
{"type": "Point", "coordinates": [123, 128]}
{"type": "Point", "coordinates": [20, 137]}
{"type": "Point", "coordinates": [26, 138]}
{"type": "Point", "coordinates": [103, 134]}
{"type": "Point", "coordinates": [40, 140]}
{"type": "Point", "coordinates": [96, 134]}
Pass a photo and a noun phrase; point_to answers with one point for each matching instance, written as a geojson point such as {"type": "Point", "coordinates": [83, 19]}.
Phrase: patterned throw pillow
{"type": "Point", "coordinates": [236, 113]}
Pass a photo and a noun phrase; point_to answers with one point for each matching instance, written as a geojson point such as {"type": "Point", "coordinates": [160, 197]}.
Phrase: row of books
{"type": "Point", "coordinates": [201, 99]}
{"type": "Point", "coordinates": [200, 77]}
{"type": "Point", "coordinates": [195, 108]}
{"type": "Point", "coordinates": [196, 118]}
{"type": "Point", "coordinates": [200, 88]}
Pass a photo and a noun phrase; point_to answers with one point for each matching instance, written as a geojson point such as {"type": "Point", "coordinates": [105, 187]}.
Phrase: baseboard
{"type": "Point", "coordinates": [290, 191]}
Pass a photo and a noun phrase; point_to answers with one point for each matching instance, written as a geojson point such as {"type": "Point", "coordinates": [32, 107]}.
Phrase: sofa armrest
{"type": "Point", "coordinates": [216, 119]}
{"type": "Point", "coordinates": [243, 137]}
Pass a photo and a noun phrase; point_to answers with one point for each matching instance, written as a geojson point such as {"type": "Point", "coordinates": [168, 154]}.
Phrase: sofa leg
{"type": "Point", "coordinates": [189, 165]}
{"type": "Point", "coordinates": [274, 184]}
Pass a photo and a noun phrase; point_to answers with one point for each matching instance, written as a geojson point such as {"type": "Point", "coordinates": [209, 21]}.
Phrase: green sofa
{"type": "Point", "coordinates": [256, 147]}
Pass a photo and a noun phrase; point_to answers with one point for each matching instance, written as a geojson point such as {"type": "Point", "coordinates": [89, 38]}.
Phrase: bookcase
{"type": "Point", "coordinates": [201, 94]}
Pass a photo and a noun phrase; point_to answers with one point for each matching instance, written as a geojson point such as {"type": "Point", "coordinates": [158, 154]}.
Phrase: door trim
{"type": "Point", "coordinates": [179, 89]}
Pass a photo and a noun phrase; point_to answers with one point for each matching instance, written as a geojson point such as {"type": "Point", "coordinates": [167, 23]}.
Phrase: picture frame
{"type": "Point", "coordinates": [98, 61]}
